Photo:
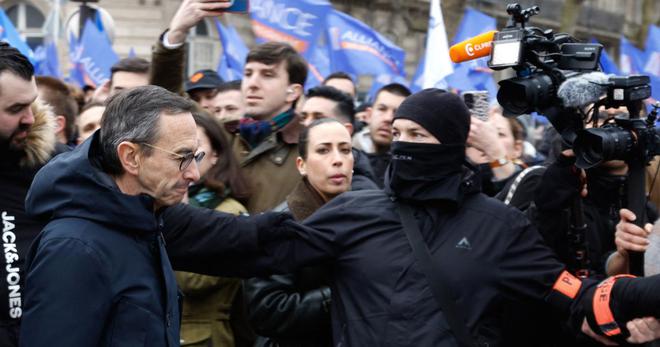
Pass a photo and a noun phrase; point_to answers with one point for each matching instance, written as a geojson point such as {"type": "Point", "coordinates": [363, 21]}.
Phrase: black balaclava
{"type": "Point", "coordinates": [430, 172]}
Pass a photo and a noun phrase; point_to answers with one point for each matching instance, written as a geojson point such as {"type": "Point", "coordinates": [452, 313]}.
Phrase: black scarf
{"type": "Point", "coordinates": [425, 172]}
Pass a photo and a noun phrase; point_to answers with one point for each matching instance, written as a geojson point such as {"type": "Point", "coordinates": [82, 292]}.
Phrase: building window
{"type": "Point", "coordinates": [203, 48]}
{"type": "Point", "coordinates": [29, 22]}
{"type": "Point", "coordinates": [202, 29]}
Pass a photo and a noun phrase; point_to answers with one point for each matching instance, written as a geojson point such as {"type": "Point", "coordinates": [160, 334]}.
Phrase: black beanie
{"type": "Point", "coordinates": [442, 114]}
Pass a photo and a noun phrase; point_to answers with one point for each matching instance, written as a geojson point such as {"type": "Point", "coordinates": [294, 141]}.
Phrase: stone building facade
{"type": "Point", "coordinates": [136, 24]}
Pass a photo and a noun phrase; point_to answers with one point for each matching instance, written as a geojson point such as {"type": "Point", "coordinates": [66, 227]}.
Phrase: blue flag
{"type": "Point", "coordinates": [234, 52]}
{"type": "Point", "coordinates": [653, 51]}
{"type": "Point", "coordinates": [224, 71]}
{"type": "Point", "coordinates": [9, 34]}
{"type": "Point", "coordinates": [297, 22]}
{"type": "Point", "coordinates": [652, 66]}
{"type": "Point", "coordinates": [634, 61]}
{"type": "Point", "coordinates": [93, 57]}
{"type": "Point", "coordinates": [358, 49]}
{"type": "Point", "coordinates": [475, 74]}
{"type": "Point", "coordinates": [47, 62]}
{"type": "Point", "coordinates": [417, 81]}
{"type": "Point", "coordinates": [98, 21]}
{"type": "Point", "coordinates": [631, 58]}
{"type": "Point", "coordinates": [76, 74]}
{"type": "Point", "coordinates": [606, 63]}
{"type": "Point", "coordinates": [318, 66]}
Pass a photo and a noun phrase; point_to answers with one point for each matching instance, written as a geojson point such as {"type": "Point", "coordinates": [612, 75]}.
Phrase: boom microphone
{"type": "Point", "coordinates": [583, 89]}
{"type": "Point", "coordinates": [472, 48]}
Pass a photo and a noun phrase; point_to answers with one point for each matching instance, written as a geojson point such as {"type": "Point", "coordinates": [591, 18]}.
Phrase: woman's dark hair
{"type": "Point", "coordinates": [303, 139]}
{"type": "Point", "coordinates": [226, 172]}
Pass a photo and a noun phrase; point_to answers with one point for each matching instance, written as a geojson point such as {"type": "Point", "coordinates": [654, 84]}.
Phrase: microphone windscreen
{"type": "Point", "coordinates": [583, 89]}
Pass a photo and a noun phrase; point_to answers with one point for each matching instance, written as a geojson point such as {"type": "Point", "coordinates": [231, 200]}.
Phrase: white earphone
{"type": "Point", "coordinates": [289, 91]}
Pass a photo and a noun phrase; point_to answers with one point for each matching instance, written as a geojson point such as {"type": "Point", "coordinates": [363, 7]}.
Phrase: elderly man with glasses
{"type": "Point", "coordinates": [100, 273]}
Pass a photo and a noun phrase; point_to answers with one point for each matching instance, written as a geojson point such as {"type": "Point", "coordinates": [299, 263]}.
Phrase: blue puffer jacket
{"type": "Point", "coordinates": [98, 275]}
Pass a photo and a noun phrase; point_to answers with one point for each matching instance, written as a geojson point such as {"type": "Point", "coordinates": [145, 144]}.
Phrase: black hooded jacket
{"type": "Point", "coordinates": [17, 170]}
{"type": "Point", "coordinates": [489, 254]}
{"type": "Point", "coordinates": [363, 173]}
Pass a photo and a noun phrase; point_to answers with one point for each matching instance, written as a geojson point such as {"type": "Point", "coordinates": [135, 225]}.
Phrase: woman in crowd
{"type": "Point", "coordinates": [293, 310]}
{"type": "Point", "coordinates": [496, 146]}
{"type": "Point", "coordinates": [207, 303]}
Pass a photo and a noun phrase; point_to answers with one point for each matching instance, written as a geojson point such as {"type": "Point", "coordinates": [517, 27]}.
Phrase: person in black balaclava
{"type": "Point", "coordinates": [490, 258]}
{"type": "Point", "coordinates": [435, 174]}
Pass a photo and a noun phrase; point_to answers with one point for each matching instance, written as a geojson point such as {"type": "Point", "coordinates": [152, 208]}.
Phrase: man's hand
{"type": "Point", "coordinates": [484, 137]}
{"type": "Point", "coordinates": [189, 14]}
{"type": "Point", "coordinates": [643, 330]}
{"type": "Point", "coordinates": [587, 331]}
{"type": "Point", "coordinates": [630, 237]}
{"type": "Point", "coordinates": [627, 237]}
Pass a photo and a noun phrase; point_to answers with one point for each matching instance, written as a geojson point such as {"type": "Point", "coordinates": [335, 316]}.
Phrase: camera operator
{"type": "Point", "coordinates": [576, 212]}
{"type": "Point", "coordinates": [603, 189]}
{"type": "Point", "coordinates": [557, 76]}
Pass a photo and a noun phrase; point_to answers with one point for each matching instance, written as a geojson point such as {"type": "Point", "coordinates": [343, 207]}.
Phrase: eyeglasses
{"type": "Point", "coordinates": [185, 159]}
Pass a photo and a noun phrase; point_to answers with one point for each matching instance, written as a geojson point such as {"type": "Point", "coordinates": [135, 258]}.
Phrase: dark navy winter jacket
{"type": "Point", "coordinates": [99, 273]}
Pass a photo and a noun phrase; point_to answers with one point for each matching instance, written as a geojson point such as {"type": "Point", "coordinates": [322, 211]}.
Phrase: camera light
{"type": "Point", "coordinates": [618, 94]}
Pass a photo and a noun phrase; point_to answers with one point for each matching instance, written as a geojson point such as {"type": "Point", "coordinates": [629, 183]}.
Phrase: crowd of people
{"type": "Point", "coordinates": [165, 210]}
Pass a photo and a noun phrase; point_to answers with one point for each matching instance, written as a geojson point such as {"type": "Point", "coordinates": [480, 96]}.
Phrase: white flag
{"type": "Point", "coordinates": [437, 64]}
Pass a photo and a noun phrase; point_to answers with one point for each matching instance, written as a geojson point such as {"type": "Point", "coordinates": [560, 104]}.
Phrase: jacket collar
{"type": "Point", "coordinates": [304, 200]}
{"type": "Point", "coordinates": [73, 185]}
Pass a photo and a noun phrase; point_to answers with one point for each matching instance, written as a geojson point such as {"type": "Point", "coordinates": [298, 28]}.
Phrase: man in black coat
{"type": "Point", "coordinates": [490, 257]}
{"type": "Point", "coordinates": [27, 142]}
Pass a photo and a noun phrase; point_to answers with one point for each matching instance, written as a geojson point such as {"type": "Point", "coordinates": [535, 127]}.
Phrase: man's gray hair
{"type": "Point", "coordinates": [133, 116]}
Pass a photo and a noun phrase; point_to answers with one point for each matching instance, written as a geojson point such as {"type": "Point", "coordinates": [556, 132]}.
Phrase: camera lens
{"type": "Point", "coordinates": [526, 94]}
{"type": "Point", "coordinates": [594, 146]}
